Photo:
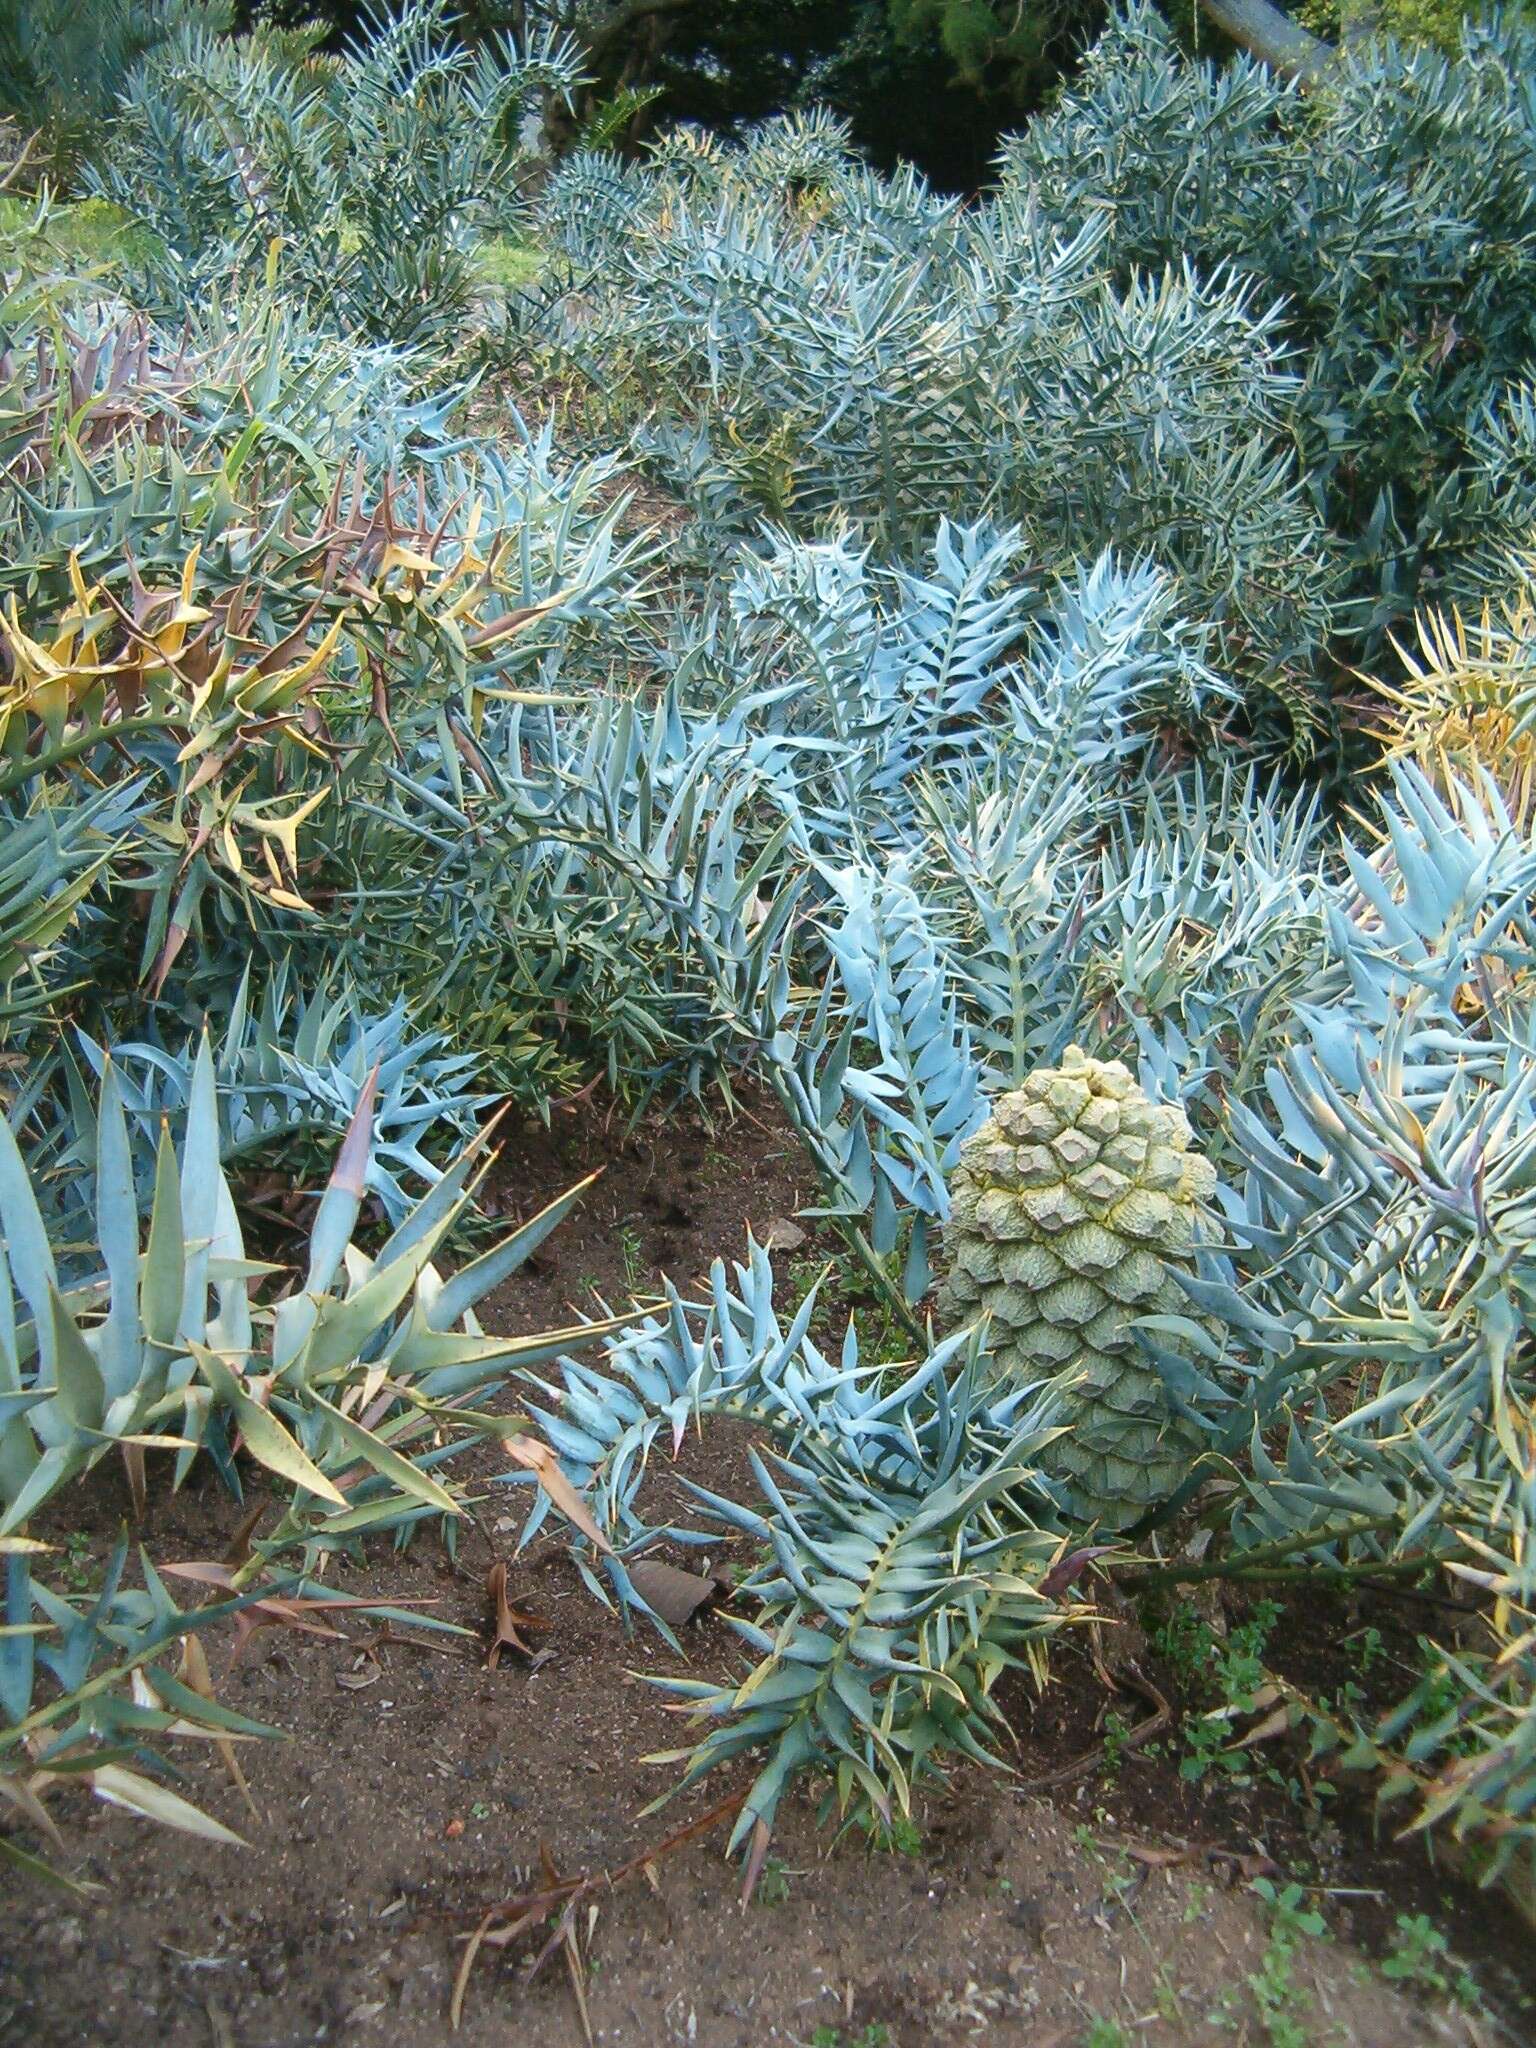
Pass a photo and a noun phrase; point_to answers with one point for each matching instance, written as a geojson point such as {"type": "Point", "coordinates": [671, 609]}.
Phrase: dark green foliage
{"type": "Point", "coordinates": [1009, 56]}
{"type": "Point", "coordinates": [931, 82]}
{"type": "Point", "coordinates": [1392, 214]}
{"type": "Point", "coordinates": [936, 83]}
{"type": "Point", "coordinates": [887, 68]}
{"type": "Point", "coordinates": [63, 62]}
{"type": "Point", "coordinates": [364, 181]}
{"type": "Point", "coordinates": [816, 343]}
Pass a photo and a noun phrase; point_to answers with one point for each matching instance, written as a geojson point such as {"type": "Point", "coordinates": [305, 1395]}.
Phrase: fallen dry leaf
{"type": "Point", "coordinates": [676, 1595]}
{"type": "Point", "coordinates": [541, 1461]}
{"type": "Point", "coordinates": [195, 1675]}
{"type": "Point", "coordinates": [1159, 1859]}
{"type": "Point", "coordinates": [274, 1611]}
{"type": "Point", "coordinates": [1277, 1722]}
{"type": "Point", "coordinates": [505, 1619]}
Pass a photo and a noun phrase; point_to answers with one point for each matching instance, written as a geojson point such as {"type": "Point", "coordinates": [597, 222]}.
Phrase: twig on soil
{"type": "Point", "coordinates": [386, 1639]}
{"type": "Point", "coordinates": [503, 1924]}
{"type": "Point", "coordinates": [1142, 1733]}
{"type": "Point", "coordinates": [564, 1938]}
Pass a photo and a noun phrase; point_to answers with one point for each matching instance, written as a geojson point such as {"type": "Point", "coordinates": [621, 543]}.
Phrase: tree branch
{"type": "Point", "coordinates": [601, 36]}
{"type": "Point", "coordinates": [1264, 32]}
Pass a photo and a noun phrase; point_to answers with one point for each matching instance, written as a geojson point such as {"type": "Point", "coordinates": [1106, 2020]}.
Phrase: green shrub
{"type": "Point", "coordinates": [1392, 216]}
{"type": "Point", "coordinates": [377, 173]}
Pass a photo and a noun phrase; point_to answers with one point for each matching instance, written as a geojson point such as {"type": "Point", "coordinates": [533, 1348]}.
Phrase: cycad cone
{"type": "Point", "coordinates": [1071, 1211]}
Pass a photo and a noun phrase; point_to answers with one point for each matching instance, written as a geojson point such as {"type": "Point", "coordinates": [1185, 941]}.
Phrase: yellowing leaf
{"type": "Point", "coordinates": [539, 1459]}
{"type": "Point", "coordinates": [158, 1803]}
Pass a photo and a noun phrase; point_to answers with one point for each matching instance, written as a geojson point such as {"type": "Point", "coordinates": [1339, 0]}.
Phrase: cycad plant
{"type": "Point", "coordinates": [91, 1684]}
{"type": "Point", "coordinates": [1352, 208]}
{"type": "Point", "coordinates": [152, 1337]}
{"type": "Point", "coordinates": [884, 356]}
{"type": "Point", "coordinates": [1341, 1017]}
{"type": "Point", "coordinates": [1072, 1210]}
{"type": "Point", "coordinates": [1465, 705]}
{"type": "Point", "coordinates": [368, 180]}
{"type": "Point", "coordinates": [290, 1071]}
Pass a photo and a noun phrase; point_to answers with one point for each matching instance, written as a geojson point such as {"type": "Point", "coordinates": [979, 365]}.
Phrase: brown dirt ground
{"type": "Point", "coordinates": [394, 1815]}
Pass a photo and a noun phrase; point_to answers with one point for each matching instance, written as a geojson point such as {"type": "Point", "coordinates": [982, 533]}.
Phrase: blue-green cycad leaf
{"type": "Point", "coordinates": [117, 1213]}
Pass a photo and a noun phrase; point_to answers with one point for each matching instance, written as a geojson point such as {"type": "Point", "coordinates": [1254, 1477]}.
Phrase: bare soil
{"type": "Point", "coordinates": [397, 1811]}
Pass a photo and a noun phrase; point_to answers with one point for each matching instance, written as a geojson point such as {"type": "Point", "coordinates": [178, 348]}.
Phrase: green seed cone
{"type": "Point", "coordinates": [1071, 1212]}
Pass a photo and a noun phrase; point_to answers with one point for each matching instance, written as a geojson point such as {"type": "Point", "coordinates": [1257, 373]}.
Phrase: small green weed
{"type": "Point", "coordinates": [1116, 1732]}
{"type": "Point", "coordinates": [882, 1340]}
{"type": "Point", "coordinates": [1106, 2034]}
{"type": "Point", "coordinates": [899, 1836]}
{"type": "Point", "coordinates": [875, 2035]}
{"type": "Point", "coordinates": [1280, 1999]}
{"type": "Point", "coordinates": [1228, 1671]}
{"type": "Point", "coordinates": [1293, 1919]}
{"type": "Point", "coordinates": [78, 1570]}
{"type": "Point", "coordinates": [1420, 1957]}
{"type": "Point", "coordinates": [632, 1251]}
{"type": "Point", "coordinates": [1369, 1649]}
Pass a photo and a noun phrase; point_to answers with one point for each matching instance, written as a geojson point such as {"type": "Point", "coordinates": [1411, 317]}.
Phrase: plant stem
{"type": "Point", "coordinates": [1255, 1563]}
{"type": "Point", "coordinates": [28, 769]}
{"type": "Point", "coordinates": [1312, 1574]}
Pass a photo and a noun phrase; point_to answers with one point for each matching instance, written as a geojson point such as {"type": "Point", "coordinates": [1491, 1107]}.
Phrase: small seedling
{"type": "Point", "coordinates": [632, 1252]}
{"type": "Point", "coordinates": [1117, 1732]}
{"type": "Point", "coordinates": [1106, 2034]}
{"type": "Point", "coordinates": [901, 1836]}
{"type": "Point", "coordinates": [1280, 1999]}
{"type": "Point", "coordinates": [1369, 1649]}
{"type": "Point", "coordinates": [1420, 1957]}
{"type": "Point", "coordinates": [78, 1571]}
{"type": "Point", "coordinates": [1292, 1917]}
{"type": "Point", "coordinates": [1228, 1671]}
